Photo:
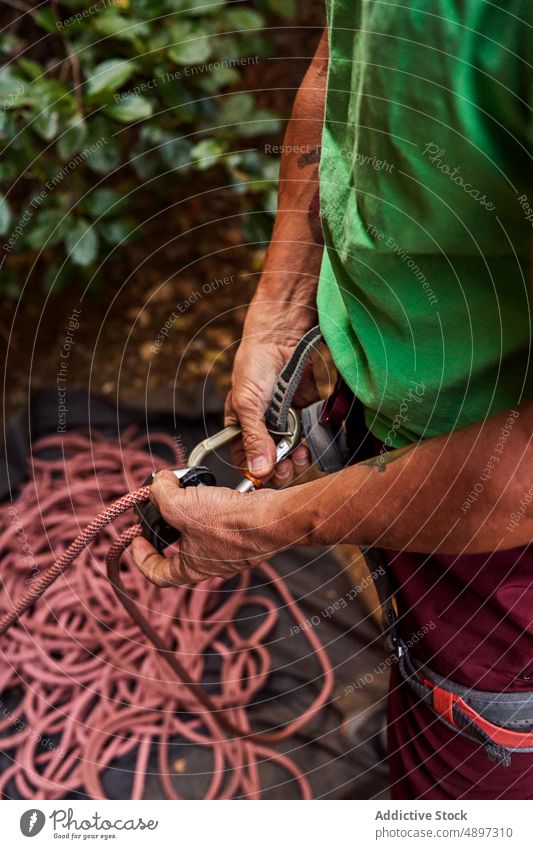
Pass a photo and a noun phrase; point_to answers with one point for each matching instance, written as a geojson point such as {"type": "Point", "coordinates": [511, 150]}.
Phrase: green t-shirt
{"type": "Point", "coordinates": [427, 210]}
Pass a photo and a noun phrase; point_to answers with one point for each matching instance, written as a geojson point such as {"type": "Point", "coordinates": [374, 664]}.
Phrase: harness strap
{"type": "Point", "coordinates": [289, 379]}
{"type": "Point", "coordinates": [456, 706]}
{"type": "Point", "coordinates": [501, 722]}
{"type": "Point", "coordinates": [327, 445]}
{"type": "Point", "coordinates": [378, 564]}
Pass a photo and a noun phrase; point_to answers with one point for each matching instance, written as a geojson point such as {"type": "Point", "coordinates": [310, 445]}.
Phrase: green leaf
{"type": "Point", "coordinates": [194, 49]}
{"type": "Point", "coordinates": [237, 107]}
{"type": "Point", "coordinates": [82, 243]}
{"type": "Point", "coordinates": [51, 100]}
{"type": "Point", "coordinates": [12, 167]}
{"type": "Point", "coordinates": [132, 107]}
{"type": "Point", "coordinates": [241, 19]}
{"type": "Point", "coordinates": [220, 78]}
{"type": "Point", "coordinates": [72, 138]}
{"type": "Point", "coordinates": [241, 111]}
{"type": "Point", "coordinates": [144, 164]}
{"type": "Point", "coordinates": [271, 201]}
{"type": "Point", "coordinates": [10, 45]}
{"type": "Point", "coordinates": [31, 69]}
{"type": "Point", "coordinates": [56, 275]}
{"type": "Point", "coordinates": [103, 202]}
{"type": "Point", "coordinates": [49, 227]}
{"type": "Point", "coordinates": [202, 7]}
{"type": "Point", "coordinates": [46, 20]}
{"type": "Point", "coordinates": [103, 155]}
{"type": "Point", "coordinates": [143, 156]}
{"type": "Point", "coordinates": [14, 90]}
{"type": "Point", "coordinates": [206, 153]}
{"type": "Point", "coordinates": [108, 76]}
{"type": "Point", "coordinates": [46, 123]}
{"type": "Point", "coordinates": [153, 8]}
{"type": "Point", "coordinates": [286, 9]}
{"type": "Point", "coordinates": [5, 215]}
{"type": "Point", "coordinates": [48, 91]}
{"type": "Point", "coordinates": [125, 29]}
{"type": "Point", "coordinates": [176, 152]}
{"type": "Point", "coordinates": [178, 98]}
{"type": "Point", "coordinates": [262, 123]}
{"type": "Point", "coordinates": [120, 231]}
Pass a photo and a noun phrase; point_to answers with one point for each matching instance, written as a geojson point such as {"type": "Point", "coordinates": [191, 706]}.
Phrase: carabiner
{"type": "Point", "coordinates": [213, 443]}
{"type": "Point", "coordinates": [288, 442]}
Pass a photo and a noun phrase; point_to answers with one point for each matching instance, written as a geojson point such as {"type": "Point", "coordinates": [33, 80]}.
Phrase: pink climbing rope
{"type": "Point", "coordinates": [90, 682]}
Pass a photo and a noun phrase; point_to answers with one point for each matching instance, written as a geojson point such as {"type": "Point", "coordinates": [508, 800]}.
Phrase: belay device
{"type": "Point", "coordinates": [156, 529]}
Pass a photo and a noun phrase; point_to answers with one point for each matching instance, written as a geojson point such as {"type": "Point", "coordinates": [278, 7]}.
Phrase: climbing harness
{"type": "Point", "coordinates": [501, 722]}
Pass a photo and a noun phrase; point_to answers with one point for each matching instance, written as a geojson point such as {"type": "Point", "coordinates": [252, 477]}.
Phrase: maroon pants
{"type": "Point", "coordinates": [470, 618]}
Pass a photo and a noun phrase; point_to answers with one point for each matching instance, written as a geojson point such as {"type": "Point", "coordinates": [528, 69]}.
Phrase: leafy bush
{"type": "Point", "coordinates": [99, 100]}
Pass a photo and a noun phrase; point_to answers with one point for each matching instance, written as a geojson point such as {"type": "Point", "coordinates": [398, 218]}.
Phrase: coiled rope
{"type": "Point", "coordinates": [99, 681]}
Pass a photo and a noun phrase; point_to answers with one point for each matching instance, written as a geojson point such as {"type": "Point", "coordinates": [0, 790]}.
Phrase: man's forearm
{"type": "Point", "coordinates": [469, 490]}
{"type": "Point", "coordinates": [289, 281]}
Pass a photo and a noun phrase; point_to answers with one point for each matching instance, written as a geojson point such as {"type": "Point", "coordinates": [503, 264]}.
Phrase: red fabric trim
{"type": "Point", "coordinates": [502, 736]}
{"type": "Point", "coordinates": [443, 704]}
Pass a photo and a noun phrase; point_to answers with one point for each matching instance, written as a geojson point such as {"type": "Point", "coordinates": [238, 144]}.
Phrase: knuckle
{"type": "Point", "coordinates": [249, 399]}
{"type": "Point", "coordinates": [160, 582]}
{"type": "Point", "coordinates": [153, 573]}
{"type": "Point", "coordinates": [176, 572]}
{"type": "Point", "coordinates": [254, 439]}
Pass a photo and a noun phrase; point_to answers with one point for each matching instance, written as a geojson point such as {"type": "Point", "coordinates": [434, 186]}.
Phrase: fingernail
{"type": "Point", "coordinates": [300, 461]}
{"type": "Point", "coordinates": [259, 466]}
{"type": "Point", "coordinates": [283, 470]}
{"type": "Point", "coordinates": [300, 458]}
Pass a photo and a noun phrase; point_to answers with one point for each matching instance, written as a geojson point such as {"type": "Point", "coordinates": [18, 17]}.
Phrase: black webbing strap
{"type": "Point", "coordinates": [289, 379]}
{"type": "Point", "coordinates": [378, 563]}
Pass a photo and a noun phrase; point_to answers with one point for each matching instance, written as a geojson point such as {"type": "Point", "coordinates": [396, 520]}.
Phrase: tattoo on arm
{"type": "Point", "coordinates": [309, 158]}
{"type": "Point", "coordinates": [383, 460]}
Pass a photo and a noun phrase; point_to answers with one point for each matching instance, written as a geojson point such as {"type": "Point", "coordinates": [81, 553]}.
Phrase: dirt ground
{"type": "Point", "coordinates": [190, 276]}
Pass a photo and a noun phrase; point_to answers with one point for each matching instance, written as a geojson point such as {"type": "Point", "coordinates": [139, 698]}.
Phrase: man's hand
{"type": "Point", "coordinates": [284, 305]}
{"type": "Point", "coordinates": [222, 532]}
{"type": "Point", "coordinates": [257, 363]}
